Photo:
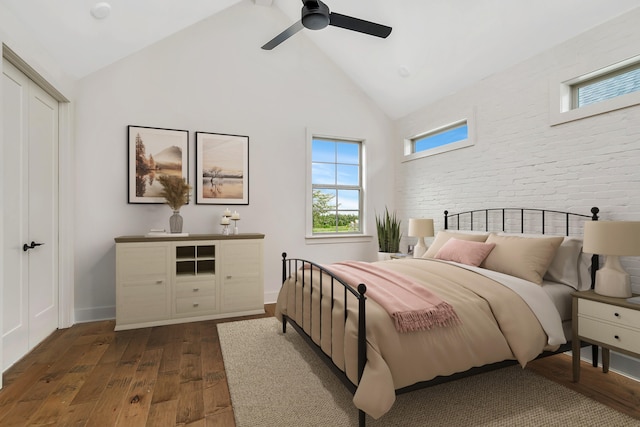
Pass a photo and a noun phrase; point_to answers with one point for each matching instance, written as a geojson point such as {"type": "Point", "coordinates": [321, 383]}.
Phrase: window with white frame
{"type": "Point", "coordinates": [581, 92]}
{"type": "Point", "coordinates": [336, 186]}
{"type": "Point", "coordinates": [609, 85]}
{"type": "Point", "coordinates": [451, 136]}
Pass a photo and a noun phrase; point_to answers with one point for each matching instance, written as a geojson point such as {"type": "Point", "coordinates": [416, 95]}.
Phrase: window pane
{"type": "Point", "coordinates": [323, 151]}
{"type": "Point", "coordinates": [324, 211]}
{"type": "Point", "coordinates": [348, 175]}
{"type": "Point", "coordinates": [348, 199]}
{"type": "Point", "coordinates": [348, 153]}
{"type": "Point", "coordinates": [447, 136]}
{"type": "Point", "coordinates": [323, 173]}
{"type": "Point", "coordinates": [608, 88]}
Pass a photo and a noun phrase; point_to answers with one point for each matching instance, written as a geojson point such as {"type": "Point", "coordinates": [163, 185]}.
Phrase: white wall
{"type": "Point", "coordinates": [519, 160]}
{"type": "Point", "coordinates": [213, 77]}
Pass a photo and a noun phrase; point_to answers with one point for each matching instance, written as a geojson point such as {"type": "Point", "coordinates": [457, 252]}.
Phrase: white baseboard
{"type": "Point", "coordinates": [94, 314]}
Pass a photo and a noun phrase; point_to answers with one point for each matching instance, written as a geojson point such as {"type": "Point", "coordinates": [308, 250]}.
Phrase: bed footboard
{"type": "Point", "coordinates": [290, 269]}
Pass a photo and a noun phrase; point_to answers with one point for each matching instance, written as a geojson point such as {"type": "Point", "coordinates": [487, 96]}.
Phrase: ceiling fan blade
{"type": "Point", "coordinates": [283, 36]}
{"type": "Point", "coordinates": [360, 25]}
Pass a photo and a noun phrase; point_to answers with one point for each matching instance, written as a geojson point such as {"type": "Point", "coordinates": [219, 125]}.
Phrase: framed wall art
{"type": "Point", "coordinates": [154, 152]}
{"type": "Point", "coordinates": [222, 169]}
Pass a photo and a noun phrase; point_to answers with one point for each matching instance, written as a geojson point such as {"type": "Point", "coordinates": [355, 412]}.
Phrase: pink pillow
{"type": "Point", "coordinates": [465, 251]}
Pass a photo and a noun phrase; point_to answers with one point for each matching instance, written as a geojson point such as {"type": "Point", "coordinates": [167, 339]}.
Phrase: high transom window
{"type": "Point", "coordinates": [606, 86]}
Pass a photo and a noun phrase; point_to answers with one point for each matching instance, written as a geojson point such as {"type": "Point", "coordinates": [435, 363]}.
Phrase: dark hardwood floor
{"type": "Point", "coordinates": [89, 375]}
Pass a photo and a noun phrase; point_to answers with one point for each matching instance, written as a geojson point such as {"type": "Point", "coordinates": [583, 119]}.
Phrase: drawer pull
{"type": "Point", "coordinates": [158, 282]}
{"type": "Point", "coordinates": [196, 289]}
{"type": "Point", "coordinates": [229, 277]}
{"type": "Point", "coordinates": [195, 304]}
{"type": "Point", "coordinates": [616, 314]}
{"type": "Point", "coordinates": [616, 337]}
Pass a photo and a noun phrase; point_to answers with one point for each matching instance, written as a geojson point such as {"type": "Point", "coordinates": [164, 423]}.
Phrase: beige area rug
{"type": "Point", "coordinates": [277, 380]}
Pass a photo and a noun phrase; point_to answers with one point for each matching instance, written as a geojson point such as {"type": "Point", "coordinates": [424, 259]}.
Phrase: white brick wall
{"type": "Point", "coordinates": [519, 160]}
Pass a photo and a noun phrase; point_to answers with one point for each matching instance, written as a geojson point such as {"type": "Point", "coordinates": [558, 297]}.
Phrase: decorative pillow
{"type": "Point", "coordinates": [464, 251]}
{"type": "Point", "coordinates": [443, 236]}
{"type": "Point", "coordinates": [523, 257]}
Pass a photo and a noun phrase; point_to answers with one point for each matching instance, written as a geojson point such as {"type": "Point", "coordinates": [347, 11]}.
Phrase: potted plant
{"type": "Point", "coordinates": [176, 192]}
{"type": "Point", "coordinates": [388, 227]}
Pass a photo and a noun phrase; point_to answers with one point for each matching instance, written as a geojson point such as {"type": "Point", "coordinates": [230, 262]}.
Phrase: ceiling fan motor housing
{"type": "Point", "coordinates": [315, 18]}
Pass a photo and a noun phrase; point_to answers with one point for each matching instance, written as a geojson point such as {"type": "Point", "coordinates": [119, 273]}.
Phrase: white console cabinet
{"type": "Point", "coordinates": [166, 280]}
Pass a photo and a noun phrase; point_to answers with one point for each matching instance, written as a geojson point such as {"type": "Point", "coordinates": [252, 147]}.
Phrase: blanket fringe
{"type": "Point", "coordinates": [421, 320]}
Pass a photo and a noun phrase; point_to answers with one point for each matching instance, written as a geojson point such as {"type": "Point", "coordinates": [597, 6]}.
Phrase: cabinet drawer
{"type": "Point", "coordinates": [195, 288]}
{"type": "Point", "coordinates": [606, 333]}
{"type": "Point", "coordinates": [196, 305]}
{"type": "Point", "coordinates": [609, 313]}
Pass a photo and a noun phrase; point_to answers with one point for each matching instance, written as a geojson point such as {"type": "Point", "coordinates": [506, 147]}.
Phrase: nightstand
{"type": "Point", "coordinates": [611, 323]}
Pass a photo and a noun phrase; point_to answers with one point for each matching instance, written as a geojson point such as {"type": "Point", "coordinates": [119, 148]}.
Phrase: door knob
{"type": "Point", "coordinates": [33, 244]}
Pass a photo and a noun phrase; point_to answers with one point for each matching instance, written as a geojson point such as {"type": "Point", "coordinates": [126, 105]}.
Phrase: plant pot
{"type": "Point", "coordinates": [175, 222]}
{"type": "Point", "coordinates": [384, 256]}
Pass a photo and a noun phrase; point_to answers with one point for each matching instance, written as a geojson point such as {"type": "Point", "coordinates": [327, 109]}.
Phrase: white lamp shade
{"type": "Point", "coordinates": [619, 238]}
{"type": "Point", "coordinates": [420, 227]}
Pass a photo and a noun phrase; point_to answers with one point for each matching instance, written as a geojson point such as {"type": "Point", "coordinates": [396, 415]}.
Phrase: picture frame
{"type": "Point", "coordinates": [222, 169]}
{"type": "Point", "coordinates": [153, 152]}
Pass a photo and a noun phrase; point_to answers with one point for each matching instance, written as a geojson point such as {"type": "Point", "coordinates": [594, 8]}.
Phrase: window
{"type": "Point", "coordinates": [589, 90]}
{"type": "Point", "coordinates": [609, 85]}
{"type": "Point", "coordinates": [455, 133]}
{"type": "Point", "coordinates": [451, 136]}
{"type": "Point", "coordinates": [336, 185]}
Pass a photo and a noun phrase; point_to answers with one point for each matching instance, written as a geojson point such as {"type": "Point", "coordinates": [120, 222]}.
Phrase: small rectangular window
{"type": "Point", "coordinates": [609, 85]}
{"type": "Point", "coordinates": [336, 180]}
{"type": "Point", "coordinates": [451, 136]}
{"type": "Point", "coordinates": [455, 133]}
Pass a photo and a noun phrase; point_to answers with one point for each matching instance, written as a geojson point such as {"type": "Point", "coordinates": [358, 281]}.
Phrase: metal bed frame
{"type": "Point", "coordinates": [482, 216]}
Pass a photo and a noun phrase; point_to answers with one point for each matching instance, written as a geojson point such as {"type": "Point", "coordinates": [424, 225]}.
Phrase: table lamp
{"type": "Point", "coordinates": [612, 239]}
{"type": "Point", "coordinates": [420, 228]}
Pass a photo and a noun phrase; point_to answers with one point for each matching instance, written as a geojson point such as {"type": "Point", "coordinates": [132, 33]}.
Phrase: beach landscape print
{"type": "Point", "coordinates": [222, 169]}
{"type": "Point", "coordinates": [154, 152]}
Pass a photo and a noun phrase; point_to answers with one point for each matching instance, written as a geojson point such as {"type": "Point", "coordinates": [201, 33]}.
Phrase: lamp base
{"type": "Point", "coordinates": [612, 280]}
{"type": "Point", "coordinates": [420, 248]}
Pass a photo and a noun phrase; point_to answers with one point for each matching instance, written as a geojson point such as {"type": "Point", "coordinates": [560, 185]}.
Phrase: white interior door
{"type": "Point", "coordinates": [30, 168]}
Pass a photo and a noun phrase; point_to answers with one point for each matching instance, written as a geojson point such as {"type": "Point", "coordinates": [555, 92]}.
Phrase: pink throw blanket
{"type": "Point", "coordinates": [412, 306]}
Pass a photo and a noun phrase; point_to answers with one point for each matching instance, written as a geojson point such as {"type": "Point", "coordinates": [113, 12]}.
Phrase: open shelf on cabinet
{"type": "Point", "coordinates": [195, 260]}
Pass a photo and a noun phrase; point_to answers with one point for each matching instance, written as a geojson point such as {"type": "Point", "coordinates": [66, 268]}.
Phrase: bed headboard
{"type": "Point", "coordinates": [524, 220]}
{"type": "Point", "coordinates": [539, 221]}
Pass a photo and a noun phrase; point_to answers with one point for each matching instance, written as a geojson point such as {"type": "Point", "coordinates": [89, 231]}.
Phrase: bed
{"type": "Point", "coordinates": [497, 284]}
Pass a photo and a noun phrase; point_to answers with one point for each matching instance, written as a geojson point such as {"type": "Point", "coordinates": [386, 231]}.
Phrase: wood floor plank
{"type": "Point", "coordinates": [139, 396]}
{"type": "Point", "coordinates": [163, 414]}
{"type": "Point", "coordinates": [167, 387]}
{"type": "Point", "coordinates": [108, 407]}
{"type": "Point", "coordinates": [77, 415]}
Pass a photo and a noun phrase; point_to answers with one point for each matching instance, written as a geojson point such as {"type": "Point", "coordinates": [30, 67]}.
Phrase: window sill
{"type": "Point", "coordinates": [330, 239]}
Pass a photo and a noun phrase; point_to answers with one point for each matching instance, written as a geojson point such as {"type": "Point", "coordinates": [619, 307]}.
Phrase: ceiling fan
{"type": "Point", "coordinates": [316, 16]}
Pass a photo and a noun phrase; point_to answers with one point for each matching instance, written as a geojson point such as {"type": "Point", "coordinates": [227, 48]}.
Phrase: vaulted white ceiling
{"type": "Point", "coordinates": [436, 48]}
